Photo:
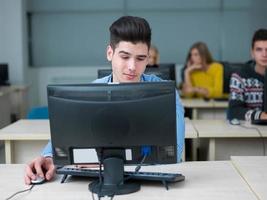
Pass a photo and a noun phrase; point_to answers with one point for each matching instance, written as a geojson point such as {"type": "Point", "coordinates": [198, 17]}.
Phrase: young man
{"type": "Point", "coordinates": [130, 39]}
{"type": "Point", "coordinates": [246, 87]}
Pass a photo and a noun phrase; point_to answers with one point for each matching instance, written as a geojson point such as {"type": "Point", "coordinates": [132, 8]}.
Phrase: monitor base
{"type": "Point", "coordinates": [113, 182]}
{"type": "Point", "coordinates": [111, 190]}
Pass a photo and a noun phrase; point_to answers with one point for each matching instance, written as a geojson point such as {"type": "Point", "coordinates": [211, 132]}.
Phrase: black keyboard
{"type": "Point", "coordinates": [149, 176]}
{"type": "Point", "coordinates": [259, 121]}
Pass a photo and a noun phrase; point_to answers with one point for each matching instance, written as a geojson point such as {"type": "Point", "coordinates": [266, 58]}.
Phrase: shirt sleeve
{"type": "Point", "coordinates": [216, 90]}
{"type": "Point", "coordinates": [47, 151]}
{"type": "Point", "coordinates": [237, 106]}
{"type": "Point", "coordinates": [180, 127]}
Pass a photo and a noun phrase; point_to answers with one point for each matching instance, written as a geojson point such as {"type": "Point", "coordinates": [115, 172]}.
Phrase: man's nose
{"type": "Point", "coordinates": [132, 65]}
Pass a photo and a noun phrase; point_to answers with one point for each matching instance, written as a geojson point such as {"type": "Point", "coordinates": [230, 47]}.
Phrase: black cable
{"type": "Point", "coordinates": [138, 167]}
{"type": "Point", "coordinates": [29, 189]}
{"type": "Point", "coordinates": [99, 177]}
{"type": "Point", "coordinates": [261, 136]}
{"type": "Point", "coordinates": [100, 174]}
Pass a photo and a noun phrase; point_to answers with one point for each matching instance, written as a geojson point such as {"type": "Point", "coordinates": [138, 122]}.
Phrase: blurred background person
{"type": "Point", "coordinates": [153, 60]}
{"type": "Point", "coordinates": [202, 77]}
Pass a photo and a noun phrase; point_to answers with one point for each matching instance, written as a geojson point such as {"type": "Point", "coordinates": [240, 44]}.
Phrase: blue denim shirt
{"type": "Point", "coordinates": [47, 151]}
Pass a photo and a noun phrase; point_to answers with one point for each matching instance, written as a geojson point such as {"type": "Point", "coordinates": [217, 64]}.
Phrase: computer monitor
{"type": "Point", "coordinates": [265, 93]}
{"type": "Point", "coordinates": [3, 74]}
{"type": "Point", "coordinates": [165, 71]}
{"type": "Point", "coordinates": [113, 119]}
{"type": "Point", "coordinates": [103, 72]}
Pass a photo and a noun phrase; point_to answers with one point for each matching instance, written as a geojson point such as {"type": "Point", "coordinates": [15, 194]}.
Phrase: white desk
{"type": "Point", "coordinates": [204, 181]}
{"type": "Point", "coordinates": [202, 109]}
{"type": "Point", "coordinates": [222, 140]}
{"type": "Point", "coordinates": [253, 170]}
{"type": "Point", "coordinates": [25, 139]}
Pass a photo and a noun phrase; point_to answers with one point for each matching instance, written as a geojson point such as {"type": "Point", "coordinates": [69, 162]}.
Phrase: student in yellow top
{"type": "Point", "coordinates": [202, 76]}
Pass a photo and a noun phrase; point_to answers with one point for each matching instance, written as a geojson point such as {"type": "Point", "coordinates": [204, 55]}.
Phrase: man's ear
{"type": "Point", "coordinates": [109, 53]}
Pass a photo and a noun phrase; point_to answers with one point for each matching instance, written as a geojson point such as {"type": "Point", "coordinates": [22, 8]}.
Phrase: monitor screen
{"type": "Point", "coordinates": [3, 74]}
{"type": "Point", "coordinates": [165, 71]}
{"type": "Point", "coordinates": [265, 93]}
{"type": "Point", "coordinates": [121, 123]}
{"type": "Point", "coordinates": [103, 72]}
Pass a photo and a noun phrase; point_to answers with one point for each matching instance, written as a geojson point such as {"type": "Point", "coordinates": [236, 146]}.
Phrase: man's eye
{"type": "Point", "coordinates": [140, 59]}
{"type": "Point", "coordinates": [125, 57]}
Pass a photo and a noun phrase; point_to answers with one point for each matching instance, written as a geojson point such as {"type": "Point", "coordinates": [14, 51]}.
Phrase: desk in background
{"type": "Point", "coordinates": [202, 109]}
{"type": "Point", "coordinates": [203, 181]}
{"type": "Point", "coordinates": [219, 140]}
{"type": "Point", "coordinates": [253, 170]}
{"type": "Point", "coordinates": [25, 139]}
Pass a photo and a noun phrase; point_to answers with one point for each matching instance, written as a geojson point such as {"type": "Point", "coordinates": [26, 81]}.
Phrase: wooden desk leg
{"type": "Point", "coordinates": [194, 113]}
{"type": "Point", "coordinates": [211, 155]}
{"type": "Point", "coordinates": [8, 151]}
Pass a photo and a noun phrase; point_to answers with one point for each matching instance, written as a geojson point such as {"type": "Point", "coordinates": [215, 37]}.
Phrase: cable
{"type": "Point", "coordinates": [261, 136]}
{"type": "Point", "coordinates": [29, 189]}
{"type": "Point", "coordinates": [99, 177]}
{"type": "Point", "coordinates": [138, 167]}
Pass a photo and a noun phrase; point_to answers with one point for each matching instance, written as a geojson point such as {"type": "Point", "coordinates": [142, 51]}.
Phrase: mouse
{"type": "Point", "coordinates": [235, 121]}
{"type": "Point", "coordinates": [38, 180]}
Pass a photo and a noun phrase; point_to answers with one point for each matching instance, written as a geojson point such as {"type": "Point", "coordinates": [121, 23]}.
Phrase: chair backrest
{"type": "Point", "coordinates": [228, 69]}
{"type": "Point", "coordinates": [38, 113]}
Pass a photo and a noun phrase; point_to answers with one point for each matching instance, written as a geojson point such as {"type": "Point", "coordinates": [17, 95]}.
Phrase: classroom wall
{"type": "Point", "coordinates": [11, 38]}
{"type": "Point", "coordinates": [231, 44]}
{"type": "Point", "coordinates": [2, 57]}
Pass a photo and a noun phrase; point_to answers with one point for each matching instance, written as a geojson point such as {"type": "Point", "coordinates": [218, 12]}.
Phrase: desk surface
{"type": "Point", "coordinates": [201, 103]}
{"type": "Point", "coordinates": [204, 181]}
{"type": "Point", "coordinates": [223, 129]}
{"type": "Point", "coordinates": [254, 170]}
{"type": "Point", "coordinates": [26, 130]}
{"type": "Point", "coordinates": [40, 130]}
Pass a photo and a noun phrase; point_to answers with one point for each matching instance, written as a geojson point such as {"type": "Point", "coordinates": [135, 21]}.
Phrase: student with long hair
{"type": "Point", "coordinates": [202, 77]}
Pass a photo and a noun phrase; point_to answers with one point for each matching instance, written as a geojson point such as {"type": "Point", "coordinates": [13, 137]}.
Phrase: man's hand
{"type": "Point", "coordinates": [40, 166]}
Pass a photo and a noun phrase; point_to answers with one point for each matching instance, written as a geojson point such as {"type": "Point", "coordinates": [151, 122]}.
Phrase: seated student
{"type": "Point", "coordinates": [246, 86]}
{"type": "Point", "coordinates": [130, 39]}
{"type": "Point", "coordinates": [202, 77]}
{"type": "Point", "coordinates": [153, 59]}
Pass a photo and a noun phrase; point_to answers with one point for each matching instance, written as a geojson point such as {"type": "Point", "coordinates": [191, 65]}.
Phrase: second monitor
{"type": "Point", "coordinates": [165, 71]}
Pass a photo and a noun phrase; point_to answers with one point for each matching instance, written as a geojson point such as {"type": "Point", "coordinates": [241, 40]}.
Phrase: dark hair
{"type": "Point", "coordinates": [203, 52]}
{"type": "Point", "coordinates": [259, 35]}
{"type": "Point", "coordinates": [130, 29]}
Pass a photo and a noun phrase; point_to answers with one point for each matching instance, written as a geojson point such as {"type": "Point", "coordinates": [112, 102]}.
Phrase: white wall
{"type": "Point", "coordinates": [11, 39]}
{"type": "Point", "coordinates": [13, 49]}
{"type": "Point", "coordinates": [1, 34]}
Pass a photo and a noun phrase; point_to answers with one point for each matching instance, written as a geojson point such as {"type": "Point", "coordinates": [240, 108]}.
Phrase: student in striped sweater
{"type": "Point", "coordinates": [246, 86]}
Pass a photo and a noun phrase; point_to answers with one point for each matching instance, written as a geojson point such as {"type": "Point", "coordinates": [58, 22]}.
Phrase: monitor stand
{"type": "Point", "coordinates": [113, 180]}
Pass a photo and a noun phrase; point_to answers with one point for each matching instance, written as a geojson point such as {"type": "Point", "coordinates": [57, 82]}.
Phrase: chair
{"type": "Point", "coordinates": [38, 113]}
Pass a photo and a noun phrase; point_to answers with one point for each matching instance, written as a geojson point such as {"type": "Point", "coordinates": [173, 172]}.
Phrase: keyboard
{"type": "Point", "coordinates": [146, 176]}
{"type": "Point", "coordinates": [259, 121]}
